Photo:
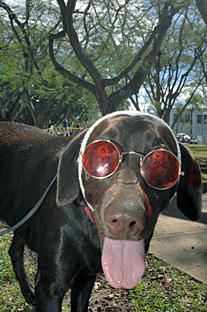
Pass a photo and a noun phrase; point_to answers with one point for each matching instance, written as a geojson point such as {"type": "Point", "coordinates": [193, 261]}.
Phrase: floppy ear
{"type": "Point", "coordinates": [67, 174]}
{"type": "Point", "coordinates": [189, 193]}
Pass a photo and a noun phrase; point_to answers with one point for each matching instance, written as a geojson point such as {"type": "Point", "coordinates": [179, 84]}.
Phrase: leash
{"type": "Point", "coordinates": [81, 202]}
{"type": "Point", "coordinates": [34, 209]}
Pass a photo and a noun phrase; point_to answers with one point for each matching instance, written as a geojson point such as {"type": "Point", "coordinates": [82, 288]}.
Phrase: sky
{"type": "Point", "coordinates": [14, 2]}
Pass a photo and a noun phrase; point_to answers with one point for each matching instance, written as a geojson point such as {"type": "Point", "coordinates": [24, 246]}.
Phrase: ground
{"type": "Point", "coordinates": [103, 298]}
{"type": "Point", "coordinates": [162, 288]}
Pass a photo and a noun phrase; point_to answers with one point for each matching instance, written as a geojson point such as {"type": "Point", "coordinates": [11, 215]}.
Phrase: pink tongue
{"type": "Point", "coordinates": [123, 262]}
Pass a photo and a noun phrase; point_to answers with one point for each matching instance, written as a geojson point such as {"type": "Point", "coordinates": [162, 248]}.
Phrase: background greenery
{"type": "Point", "coordinates": [200, 153]}
{"type": "Point", "coordinates": [149, 53]}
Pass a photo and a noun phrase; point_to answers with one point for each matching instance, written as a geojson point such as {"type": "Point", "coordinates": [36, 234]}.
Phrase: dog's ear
{"type": "Point", "coordinates": [67, 174]}
{"type": "Point", "coordinates": [189, 193]}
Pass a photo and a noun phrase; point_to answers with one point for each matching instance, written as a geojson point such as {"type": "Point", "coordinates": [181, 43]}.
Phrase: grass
{"type": "Point", "coordinates": [163, 288]}
{"type": "Point", "coordinates": [11, 298]}
{"type": "Point", "coordinates": [200, 153]}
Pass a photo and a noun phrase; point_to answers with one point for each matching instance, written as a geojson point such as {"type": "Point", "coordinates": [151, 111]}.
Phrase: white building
{"type": "Point", "coordinates": [191, 123]}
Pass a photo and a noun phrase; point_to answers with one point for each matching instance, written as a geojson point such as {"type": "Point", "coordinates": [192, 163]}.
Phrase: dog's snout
{"type": "Point", "coordinates": [123, 225]}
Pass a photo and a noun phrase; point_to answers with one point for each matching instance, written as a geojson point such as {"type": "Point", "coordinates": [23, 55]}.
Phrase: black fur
{"type": "Point", "coordinates": [67, 242]}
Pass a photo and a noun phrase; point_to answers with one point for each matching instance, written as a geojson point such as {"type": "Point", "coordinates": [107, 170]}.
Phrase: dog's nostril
{"type": "Point", "coordinates": [114, 220]}
{"type": "Point", "coordinates": [131, 225]}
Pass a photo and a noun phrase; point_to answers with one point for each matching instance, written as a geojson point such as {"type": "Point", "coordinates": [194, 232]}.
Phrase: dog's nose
{"type": "Point", "coordinates": [123, 225]}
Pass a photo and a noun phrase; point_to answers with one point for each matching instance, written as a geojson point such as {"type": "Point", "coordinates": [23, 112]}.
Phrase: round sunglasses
{"type": "Point", "coordinates": [159, 168]}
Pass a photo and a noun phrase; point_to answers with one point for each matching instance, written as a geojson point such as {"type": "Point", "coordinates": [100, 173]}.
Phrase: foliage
{"type": "Point", "coordinates": [98, 58]}
{"type": "Point", "coordinates": [113, 66]}
{"type": "Point", "coordinates": [176, 70]}
{"type": "Point", "coordinates": [196, 102]}
{"type": "Point", "coordinates": [32, 90]}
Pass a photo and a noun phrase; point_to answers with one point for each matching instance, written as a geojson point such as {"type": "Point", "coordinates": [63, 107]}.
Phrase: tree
{"type": "Point", "coordinates": [108, 49]}
{"type": "Point", "coordinates": [10, 80]}
{"type": "Point", "coordinates": [110, 21]}
{"type": "Point", "coordinates": [173, 72]}
{"type": "Point", "coordinates": [202, 7]}
{"type": "Point", "coordinates": [33, 92]}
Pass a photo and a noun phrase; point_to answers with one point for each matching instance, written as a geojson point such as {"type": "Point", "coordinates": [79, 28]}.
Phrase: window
{"type": "Point", "coordinates": [187, 118]}
{"type": "Point", "coordinates": [199, 119]}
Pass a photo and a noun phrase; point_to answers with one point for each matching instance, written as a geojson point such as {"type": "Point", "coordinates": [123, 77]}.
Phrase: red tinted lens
{"type": "Point", "coordinates": [101, 159]}
{"type": "Point", "coordinates": [160, 169]}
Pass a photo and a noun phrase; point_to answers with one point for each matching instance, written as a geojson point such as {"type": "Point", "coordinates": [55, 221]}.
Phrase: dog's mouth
{"type": "Point", "coordinates": [123, 262]}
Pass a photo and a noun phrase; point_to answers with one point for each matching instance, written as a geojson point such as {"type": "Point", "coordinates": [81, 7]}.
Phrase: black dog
{"type": "Point", "coordinates": [127, 169]}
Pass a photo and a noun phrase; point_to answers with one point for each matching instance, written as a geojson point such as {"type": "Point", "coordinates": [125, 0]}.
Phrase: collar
{"type": "Point", "coordinates": [81, 202]}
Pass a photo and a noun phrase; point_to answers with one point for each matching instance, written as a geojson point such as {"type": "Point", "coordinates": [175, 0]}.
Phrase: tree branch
{"type": "Point", "coordinates": [66, 73]}
{"type": "Point", "coordinates": [202, 7]}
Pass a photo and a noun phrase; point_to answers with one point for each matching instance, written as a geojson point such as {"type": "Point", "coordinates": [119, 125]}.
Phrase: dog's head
{"type": "Point", "coordinates": [128, 167]}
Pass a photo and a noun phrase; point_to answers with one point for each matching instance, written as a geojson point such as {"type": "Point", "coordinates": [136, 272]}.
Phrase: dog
{"type": "Point", "coordinates": [126, 168]}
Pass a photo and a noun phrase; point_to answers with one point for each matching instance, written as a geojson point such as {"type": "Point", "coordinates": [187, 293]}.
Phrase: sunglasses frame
{"type": "Point", "coordinates": [120, 159]}
{"type": "Point", "coordinates": [141, 162]}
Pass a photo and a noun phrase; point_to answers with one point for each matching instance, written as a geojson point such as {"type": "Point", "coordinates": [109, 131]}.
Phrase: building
{"type": "Point", "coordinates": [194, 124]}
